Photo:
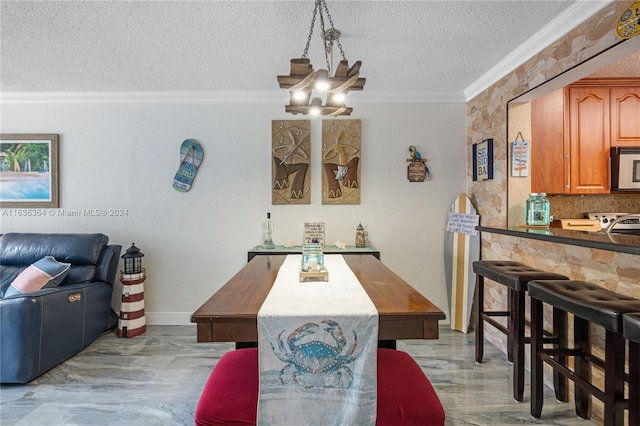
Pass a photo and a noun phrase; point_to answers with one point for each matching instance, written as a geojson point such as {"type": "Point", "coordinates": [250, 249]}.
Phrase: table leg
{"type": "Point", "coordinates": [244, 345]}
{"type": "Point", "coordinates": [387, 344]}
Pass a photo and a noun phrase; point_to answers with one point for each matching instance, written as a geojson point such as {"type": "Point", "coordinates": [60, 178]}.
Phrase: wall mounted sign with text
{"type": "Point", "coordinates": [519, 159]}
{"type": "Point", "coordinates": [628, 24]}
{"type": "Point", "coordinates": [483, 160]}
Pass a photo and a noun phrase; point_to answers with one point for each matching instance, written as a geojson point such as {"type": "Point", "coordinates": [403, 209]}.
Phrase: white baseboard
{"type": "Point", "coordinates": [168, 318]}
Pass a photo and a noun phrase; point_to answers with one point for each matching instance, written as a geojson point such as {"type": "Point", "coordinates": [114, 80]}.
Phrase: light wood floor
{"type": "Point", "coordinates": [156, 379]}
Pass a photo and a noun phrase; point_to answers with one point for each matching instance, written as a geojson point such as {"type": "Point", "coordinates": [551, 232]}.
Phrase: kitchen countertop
{"type": "Point", "coordinates": [621, 243]}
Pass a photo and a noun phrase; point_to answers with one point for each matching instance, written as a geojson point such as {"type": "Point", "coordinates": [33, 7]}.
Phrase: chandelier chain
{"type": "Point", "coordinates": [313, 22]}
{"type": "Point", "coordinates": [333, 28]}
{"type": "Point", "coordinates": [328, 45]}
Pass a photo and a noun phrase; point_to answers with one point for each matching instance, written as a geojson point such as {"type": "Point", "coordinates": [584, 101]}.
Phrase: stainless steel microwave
{"type": "Point", "coordinates": [625, 169]}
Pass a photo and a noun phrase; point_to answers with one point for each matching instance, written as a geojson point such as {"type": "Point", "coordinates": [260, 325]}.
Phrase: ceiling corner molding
{"type": "Point", "coordinates": [143, 97]}
{"type": "Point", "coordinates": [264, 96]}
{"type": "Point", "coordinates": [570, 18]}
{"type": "Point", "coordinates": [409, 97]}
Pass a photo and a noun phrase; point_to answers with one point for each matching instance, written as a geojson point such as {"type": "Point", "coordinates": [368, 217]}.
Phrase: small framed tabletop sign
{"type": "Point", "coordinates": [314, 231]}
{"type": "Point", "coordinates": [483, 160]}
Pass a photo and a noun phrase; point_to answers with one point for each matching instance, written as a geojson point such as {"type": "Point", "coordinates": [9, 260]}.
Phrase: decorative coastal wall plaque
{"type": "Point", "coordinates": [291, 156]}
{"type": "Point", "coordinates": [190, 159]}
{"type": "Point", "coordinates": [629, 23]}
{"type": "Point", "coordinates": [417, 170]}
{"type": "Point", "coordinates": [341, 162]}
{"type": "Point", "coordinates": [519, 158]}
{"type": "Point", "coordinates": [313, 231]}
{"type": "Point", "coordinates": [483, 160]}
{"type": "Point", "coordinates": [29, 170]}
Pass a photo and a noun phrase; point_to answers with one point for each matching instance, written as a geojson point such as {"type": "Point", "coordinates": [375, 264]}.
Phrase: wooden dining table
{"type": "Point", "coordinates": [230, 315]}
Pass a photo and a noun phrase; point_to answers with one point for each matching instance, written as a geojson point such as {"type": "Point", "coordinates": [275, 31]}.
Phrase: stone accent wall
{"type": "Point", "coordinates": [487, 118]}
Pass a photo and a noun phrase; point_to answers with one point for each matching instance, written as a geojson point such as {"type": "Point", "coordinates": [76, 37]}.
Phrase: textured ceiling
{"type": "Point", "coordinates": [139, 46]}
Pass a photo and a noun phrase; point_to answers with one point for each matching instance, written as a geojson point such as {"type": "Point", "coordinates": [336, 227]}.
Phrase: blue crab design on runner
{"type": "Point", "coordinates": [314, 362]}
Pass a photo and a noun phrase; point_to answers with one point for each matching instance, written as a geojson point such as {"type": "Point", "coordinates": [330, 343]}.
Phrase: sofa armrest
{"type": "Point", "coordinates": [108, 266]}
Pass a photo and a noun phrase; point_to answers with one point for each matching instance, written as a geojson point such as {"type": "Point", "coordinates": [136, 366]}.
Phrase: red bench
{"type": "Point", "coordinates": [405, 395]}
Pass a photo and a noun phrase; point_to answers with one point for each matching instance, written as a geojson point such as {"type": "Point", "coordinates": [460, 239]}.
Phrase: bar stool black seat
{"type": "Point", "coordinates": [589, 303]}
{"type": "Point", "coordinates": [631, 327]}
{"type": "Point", "coordinates": [515, 276]}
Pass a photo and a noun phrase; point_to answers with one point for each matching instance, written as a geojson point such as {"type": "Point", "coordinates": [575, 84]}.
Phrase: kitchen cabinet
{"type": "Point", "coordinates": [625, 116]}
{"type": "Point", "coordinates": [572, 130]}
{"type": "Point", "coordinates": [589, 140]}
{"type": "Point", "coordinates": [548, 165]}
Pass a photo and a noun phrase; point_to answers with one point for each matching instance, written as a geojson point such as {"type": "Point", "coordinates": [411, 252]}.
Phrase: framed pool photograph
{"type": "Point", "coordinates": [28, 170]}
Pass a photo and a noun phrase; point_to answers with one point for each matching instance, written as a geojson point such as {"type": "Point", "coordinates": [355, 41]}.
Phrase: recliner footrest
{"type": "Point", "coordinates": [405, 395]}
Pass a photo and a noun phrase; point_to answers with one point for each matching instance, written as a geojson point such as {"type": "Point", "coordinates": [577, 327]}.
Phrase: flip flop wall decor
{"type": "Point", "coordinates": [190, 159]}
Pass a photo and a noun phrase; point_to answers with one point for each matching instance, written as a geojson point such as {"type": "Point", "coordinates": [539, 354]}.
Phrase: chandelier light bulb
{"type": "Point", "coordinates": [322, 86]}
{"type": "Point", "coordinates": [322, 80]}
{"type": "Point", "coordinates": [338, 97]}
{"type": "Point", "coordinates": [316, 103]}
{"type": "Point", "coordinates": [299, 95]}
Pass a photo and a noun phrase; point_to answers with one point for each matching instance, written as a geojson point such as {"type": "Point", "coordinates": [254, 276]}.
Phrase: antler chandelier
{"type": "Point", "coordinates": [334, 85]}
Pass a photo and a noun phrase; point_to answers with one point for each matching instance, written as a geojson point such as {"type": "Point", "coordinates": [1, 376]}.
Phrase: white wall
{"type": "Point", "coordinates": [123, 155]}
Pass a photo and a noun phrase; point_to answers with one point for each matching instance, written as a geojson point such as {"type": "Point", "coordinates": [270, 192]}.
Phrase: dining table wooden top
{"type": "Point", "coordinates": [230, 315]}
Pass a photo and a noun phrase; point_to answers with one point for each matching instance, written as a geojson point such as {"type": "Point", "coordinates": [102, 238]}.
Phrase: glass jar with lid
{"type": "Point", "coordinates": [538, 209]}
{"type": "Point", "coordinates": [312, 258]}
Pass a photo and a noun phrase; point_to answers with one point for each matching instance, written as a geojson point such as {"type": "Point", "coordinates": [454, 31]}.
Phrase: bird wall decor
{"type": "Point", "coordinates": [417, 170]}
{"type": "Point", "coordinates": [415, 154]}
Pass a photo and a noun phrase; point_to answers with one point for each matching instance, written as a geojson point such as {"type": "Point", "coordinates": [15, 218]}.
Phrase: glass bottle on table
{"type": "Point", "coordinates": [268, 239]}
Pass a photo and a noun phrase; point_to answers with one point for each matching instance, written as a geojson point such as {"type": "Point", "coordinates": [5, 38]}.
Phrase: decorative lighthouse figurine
{"type": "Point", "coordinates": [361, 239]}
{"type": "Point", "coordinates": [132, 322]}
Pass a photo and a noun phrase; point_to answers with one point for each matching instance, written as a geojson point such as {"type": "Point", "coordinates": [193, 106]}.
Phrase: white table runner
{"type": "Point", "coordinates": [318, 349]}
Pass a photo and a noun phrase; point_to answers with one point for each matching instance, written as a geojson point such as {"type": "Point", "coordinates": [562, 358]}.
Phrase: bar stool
{"type": "Point", "coordinates": [631, 327]}
{"type": "Point", "coordinates": [515, 276]}
{"type": "Point", "coordinates": [588, 303]}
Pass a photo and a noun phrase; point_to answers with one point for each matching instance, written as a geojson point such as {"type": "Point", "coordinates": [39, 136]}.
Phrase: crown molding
{"type": "Point", "coordinates": [142, 97]}
{"type": "Point", "coordinates": [570, 18]}
{"type": "Point", "coordinates": [265, 96]}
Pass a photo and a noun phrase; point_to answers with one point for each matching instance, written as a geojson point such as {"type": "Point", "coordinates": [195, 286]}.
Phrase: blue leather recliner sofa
{"type": "Point", "coordinates": [41, 329]}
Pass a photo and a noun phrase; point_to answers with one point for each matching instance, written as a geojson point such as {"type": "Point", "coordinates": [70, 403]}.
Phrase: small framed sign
{"type": "Point", "coordinates": [519, 159]}
{"type": "Point", "coordinates": [313, 231]}
{"type": "Point", "coordinates": [416, 171]}
{"type": "Point", "coordinates": [483, 160]}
